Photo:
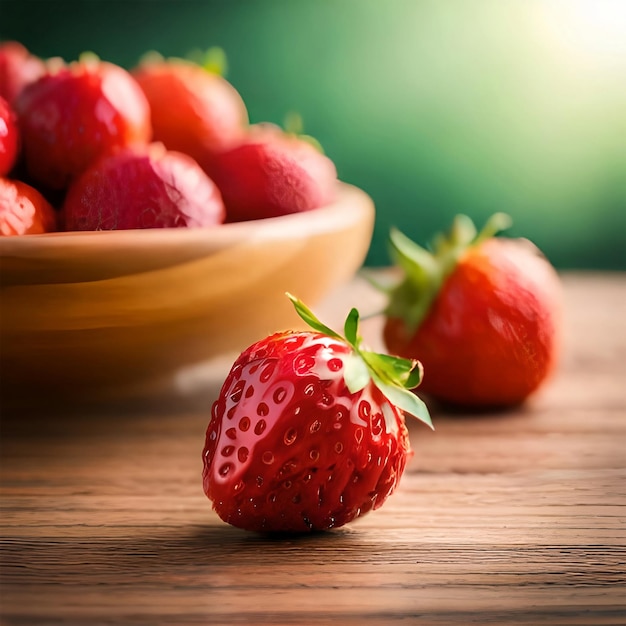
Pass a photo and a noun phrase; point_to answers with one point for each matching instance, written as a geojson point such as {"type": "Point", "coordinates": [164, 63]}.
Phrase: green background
{"type": "Point", "coordinates": [434, 107]}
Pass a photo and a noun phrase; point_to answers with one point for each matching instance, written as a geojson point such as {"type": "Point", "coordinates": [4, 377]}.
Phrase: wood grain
{"type": "Point", "coordinates": [508, 518]}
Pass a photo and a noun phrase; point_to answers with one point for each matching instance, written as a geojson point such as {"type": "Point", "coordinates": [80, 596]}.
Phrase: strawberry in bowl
{"type": "Point", "coordinates": [308, 431]}
{"type": "Point", "coordinates": [9, 138]}
{"type": "Point", "coordinates": [75, 113]}
{"type": "Point", "coordinates": [18, 68]}
{"type": "Point", "coordinates": [23, 210]}
{"type": "Point", "coordinates": [193, 109]}
{"type": "Point", "coordinates": [143, 187]}
{"type": "Point", "coordinates": [271, 173]}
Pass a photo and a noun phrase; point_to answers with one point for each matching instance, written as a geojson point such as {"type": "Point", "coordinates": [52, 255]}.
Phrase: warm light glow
{"type": "Point", "coordinates": [588, 31]}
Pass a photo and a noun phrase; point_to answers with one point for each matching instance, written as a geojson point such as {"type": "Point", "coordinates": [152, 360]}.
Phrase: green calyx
{"type": "Point", "coordinates": [294, 125]}
{"type": "Point", "coordinates": [394, 376]}
{"type": "Point", "coordinates": [88, 57]}
{"type": "Point", "coordinates": [212, 60]}
{"type": "Point", "coordinates": [425, 271]}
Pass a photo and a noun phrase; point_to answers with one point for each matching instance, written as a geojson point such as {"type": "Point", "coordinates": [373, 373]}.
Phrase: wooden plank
{"type": "Point", "coordinates": [510, 518]}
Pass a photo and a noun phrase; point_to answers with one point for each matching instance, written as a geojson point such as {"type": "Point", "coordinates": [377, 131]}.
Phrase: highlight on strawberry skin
{"type": "Point", "coordinates": [23, 210]}
{"type": "Point", "coordinates": [308, 432]}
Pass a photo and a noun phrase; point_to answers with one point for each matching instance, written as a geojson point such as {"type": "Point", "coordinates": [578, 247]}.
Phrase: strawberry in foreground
{"type": "Point", "coordinates": [143, 187]}
{"type": "Point", "coordinates": [482, 313]}
{"type": "Point", "coordinates": [308, 431]}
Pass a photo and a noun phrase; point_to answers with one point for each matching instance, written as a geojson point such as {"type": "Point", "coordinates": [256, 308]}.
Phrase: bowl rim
{"type": "Point", "coordinates": [349, 205]}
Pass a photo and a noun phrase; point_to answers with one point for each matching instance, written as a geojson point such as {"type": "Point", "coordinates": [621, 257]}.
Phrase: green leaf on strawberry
{"type": "Point", "coordinates": [310, 318]}
{"type": "Point", "coordinates": [426, 270]}
{"type": "Point", "coordinates": [213, 60]}
{"type": "Point", "coordinates": [394, 376]}
{"type": "Point", "coordinates": [294, 126]}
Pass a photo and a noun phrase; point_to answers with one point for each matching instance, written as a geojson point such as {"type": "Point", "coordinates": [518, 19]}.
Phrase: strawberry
{"type": "Point", "coordinates": [75, 113]}
{"type": "Point", "coordinates": [308, 431]}
{"type": "Point", "coordinates": [9, 138]}
{"type": "Point", "coordinates": [273, 173]}
{"type": "Point", "coordinates": [143, 187]}
{"type": "Point", "coordinates": [482, 313]}
{"type": "Point", "coordinates": [193, 110]}
{"type": "Point", "coordinates": [18, 68]}
{"type": "Point", "coordinates": [23, 210]}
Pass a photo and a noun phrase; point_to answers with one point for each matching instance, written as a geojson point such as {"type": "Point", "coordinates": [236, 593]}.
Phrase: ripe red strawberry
{"type": "Point", "coordinates": [308, 430]}
{"type": "Point", "coordinates": [9, 138]}
{"type": "Point", "coordinates": [23, 210]}
{"type": "Point", "coordinates": [193, 110]}
{"type": "Point", "coordinates": [143, 187]}
{"type": "Point", "coordinates": [482, 313]}
{"type": "Point", "coordinates": [18, 68]}
{"type": "Point", "coordinates": [273, 173]}
{"type": "Point", "coordinates": [76, 113]}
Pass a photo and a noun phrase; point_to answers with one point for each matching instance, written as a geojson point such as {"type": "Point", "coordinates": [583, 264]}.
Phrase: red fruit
{"type": "Point", "coordinates": [76, 113]}
{"type": "Point", "coordinates": [8, 138]}
{"type": "Point", "coordinates": [193, 110]}
{"type": "Point", "coordinates": [143, 187]}
{"type": "Point", "coordinates": [273, 173]}
{"type": "Point", "coordinates": [18, 68]}
{"type": "Point", "coordinates": [308, 431]}
{"type": "Point", "coordinates": [23, 210]}
{"type": "Point", "coordinates": [482, 313]}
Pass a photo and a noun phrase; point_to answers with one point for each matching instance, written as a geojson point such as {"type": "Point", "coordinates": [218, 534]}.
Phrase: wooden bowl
{"type": "Point", "coordinates": [93, 314]}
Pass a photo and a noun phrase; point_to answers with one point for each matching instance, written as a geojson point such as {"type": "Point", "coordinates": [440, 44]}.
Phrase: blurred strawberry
{"type": "Point", "coordinates": [481, 313]}
{"type": "Point", "coordinates": [193, 109]}
{"type": "Point", "coordinates": [23, 210]}
{"type": "Point", "coordinates": [143, 187]}
{"type": "Point", "coordinates": [75, 113]}
{"type": "Point", "coordinates": [18, 68]}
{"type": "Point", "coordinates": [9, 138]}
{"type": "Point", "coordinates": [272, 173]}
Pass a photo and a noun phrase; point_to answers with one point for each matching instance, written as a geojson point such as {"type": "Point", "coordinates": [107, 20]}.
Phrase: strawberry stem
{"type": "Point", "coordinates": [495, 224]}
{"type": "Point", "coordinates": [215, 61]}
{"type": "Point", "coordinates": [294, 125]}
{"type": "Point", "coordinates": [88, 58]}
{"type": "Point", "coordinates": [426, 270]}
{"type": "Point", "coordinates": [394, 376]}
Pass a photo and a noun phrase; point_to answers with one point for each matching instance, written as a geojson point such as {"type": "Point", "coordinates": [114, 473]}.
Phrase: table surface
{"type": "Point", "coordinates": [515, 517]}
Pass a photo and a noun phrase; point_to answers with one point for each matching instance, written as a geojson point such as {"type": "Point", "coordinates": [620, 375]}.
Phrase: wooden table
{"type": "Point", "coordinates": [511, 518]}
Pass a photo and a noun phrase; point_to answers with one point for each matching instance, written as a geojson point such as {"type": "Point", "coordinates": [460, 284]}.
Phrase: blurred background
{"type": "Point", "coordinates": [434, 107]}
